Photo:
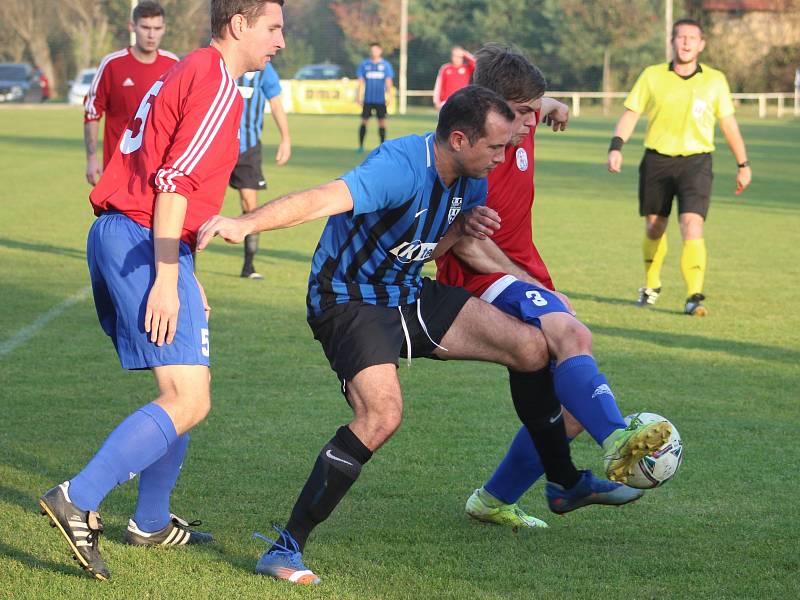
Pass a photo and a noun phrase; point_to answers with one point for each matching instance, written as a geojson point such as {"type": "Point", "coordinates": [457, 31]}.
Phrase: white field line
{"type": "Point", "coordinates": [27, 332]}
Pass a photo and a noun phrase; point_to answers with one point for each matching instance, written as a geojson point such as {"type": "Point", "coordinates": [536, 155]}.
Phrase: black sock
{"type": "Point", "coordinates": [382, 133]}
{"type": "Point", "coordinates": [362, 132]}
{"type": "Point", "coordinates": [540, 411]}
{"type": "Point", "coordinates": [336, 470]}
{"type": "Point", "coordinates": [250, 249]}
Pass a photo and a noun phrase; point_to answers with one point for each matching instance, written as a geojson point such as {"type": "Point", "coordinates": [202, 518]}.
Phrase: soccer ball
{"type": "Point", "coordinates": [660, 465]}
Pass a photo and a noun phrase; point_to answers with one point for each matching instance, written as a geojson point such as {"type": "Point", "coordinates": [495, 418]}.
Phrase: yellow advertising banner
{"type": "Point", "coordinates": [328, 96]}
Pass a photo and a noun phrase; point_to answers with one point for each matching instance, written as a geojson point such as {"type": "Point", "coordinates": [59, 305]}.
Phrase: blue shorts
{"type": "Point", "coordinates": [525, 301]}
{"type": "Point", "coordinates": [122, 268]}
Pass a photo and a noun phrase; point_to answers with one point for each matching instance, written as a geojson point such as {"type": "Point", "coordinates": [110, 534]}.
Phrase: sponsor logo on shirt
{"type": "Point", "coordinates": [455, 208]}
{"type": "Point", "coordinates": [128, 82]}
{"type": "Point", "coordinates": [375, 74]}
{"type": "Point", "coordinates": [407, 252]}
{"type": "Point", "coordinates": [522, 159]}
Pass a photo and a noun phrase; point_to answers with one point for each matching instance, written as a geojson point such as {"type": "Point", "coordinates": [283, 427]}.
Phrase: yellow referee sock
{"type": "Point", "coordinates": [654, 252]}
{"type": "Point", "coordinates": [693, 265]}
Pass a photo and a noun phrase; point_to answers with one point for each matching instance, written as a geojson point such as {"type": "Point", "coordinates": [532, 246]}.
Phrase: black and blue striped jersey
{"type": "Point", "coordinates": [256, 87]}
{"type": "Point", "coordinates": [374, 75]}
{"type": "Point", "coordinates": [401, 209]}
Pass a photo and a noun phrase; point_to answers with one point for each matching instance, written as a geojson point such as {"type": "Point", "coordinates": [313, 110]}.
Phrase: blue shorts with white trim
{"type": "Point", "coordinates": [525, 301]}
{"type": "Point", "coordinates": [122, 269]}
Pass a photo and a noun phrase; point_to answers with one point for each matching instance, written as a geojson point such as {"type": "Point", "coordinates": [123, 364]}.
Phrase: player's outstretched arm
{"type": "Point", "coordinates": [484, 256]}
{"type": "Point", "coordinates": [554, 113]}
{"type": "Point", "coordinates": [730, 129]}
{"type": "Point", "coordinates": [622, 133]}
{"type": "Point", "coordinates": [328, 199]}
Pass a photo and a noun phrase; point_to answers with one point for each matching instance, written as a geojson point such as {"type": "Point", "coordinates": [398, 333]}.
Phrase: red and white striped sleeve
{"type": "Point", "coordinates": [96, 99]}
{"type": "Point", "coordinates": [205, 130]}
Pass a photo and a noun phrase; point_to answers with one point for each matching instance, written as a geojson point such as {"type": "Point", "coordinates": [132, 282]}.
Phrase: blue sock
{"type": "Point", "coordinates": [518, 471]}
{"type": "Point", "coordinates": [584, 392]}
{"type": "Point", "coordinates": [155, 486]}
{"type": "Point", "coordinates": [140, 440]}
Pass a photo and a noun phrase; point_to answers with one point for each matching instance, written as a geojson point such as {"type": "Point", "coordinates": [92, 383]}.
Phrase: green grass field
{"type": "Point", "coordinates": [726, 527]}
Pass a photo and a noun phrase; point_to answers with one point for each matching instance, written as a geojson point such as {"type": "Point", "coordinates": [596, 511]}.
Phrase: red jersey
{"type": "Point", "coordinates": [118, 86]}
{"type": "Point", "coordinates": [511, 193]}
{"type": "Point", "coordinates": [184, 138]}
{"type": "Point", "coordinates": [451, 78]}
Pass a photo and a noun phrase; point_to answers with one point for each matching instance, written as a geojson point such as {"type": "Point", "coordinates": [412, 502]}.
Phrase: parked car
{"type": "Point", "coordinates": [19, 82]}
{"type": "Point", "coordinates": [320, 71]}
{"type": "Point", "coordinates": [79, 87]}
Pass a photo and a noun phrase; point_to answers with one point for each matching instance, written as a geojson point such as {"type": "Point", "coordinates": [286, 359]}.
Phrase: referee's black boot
{"type": "Point", "coordinates": [694, 306]}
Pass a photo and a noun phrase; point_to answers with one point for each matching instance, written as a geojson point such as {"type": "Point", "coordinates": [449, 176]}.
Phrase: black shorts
{"type": "Point", "coordinates": [247, 173]}
{"type": "Point", "coordinates": [663, 177]}
{"type": "Point", "coordinates": [355, 336]}
{"type": "Point", "coordinates": [369, 107]}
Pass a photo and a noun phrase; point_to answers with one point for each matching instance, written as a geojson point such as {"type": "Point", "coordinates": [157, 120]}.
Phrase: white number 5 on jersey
{"type": "Point", "coordinates": [131, 141]}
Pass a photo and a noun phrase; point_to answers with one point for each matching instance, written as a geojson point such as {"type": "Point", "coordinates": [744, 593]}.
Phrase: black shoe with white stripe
{"type": "Point", "coordinates": [176, 533]}
{"type": "Point", "coordinates": [80, 528]}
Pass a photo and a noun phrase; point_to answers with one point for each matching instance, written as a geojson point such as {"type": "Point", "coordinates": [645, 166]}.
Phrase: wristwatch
{"type": "Point", "coordinates": [744, 164]}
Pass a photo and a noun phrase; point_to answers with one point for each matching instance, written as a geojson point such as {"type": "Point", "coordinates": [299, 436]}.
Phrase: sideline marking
{"type": "Point", "coordinates": [24, 334]}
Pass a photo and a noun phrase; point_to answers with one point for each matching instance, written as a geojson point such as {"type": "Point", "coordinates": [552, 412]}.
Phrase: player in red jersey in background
{"type": "Point", "coordinates": [121, 81]}
{"type": "Point", "coordinates": [453, 76]}
{"type": "Point", "coordinates": [507, 271]}
{"type": "Point", "coordinates": [168, 177]}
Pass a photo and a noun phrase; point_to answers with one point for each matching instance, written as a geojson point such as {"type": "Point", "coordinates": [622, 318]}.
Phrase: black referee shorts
{"type": "Point", "coordinates": [369, 108]}
{"type": "Point", "coordinates": [355, 336]}
{"type": "Point", "coordinates": [662, 177]}
{"type": "Point", "coordinates": [247, 173]}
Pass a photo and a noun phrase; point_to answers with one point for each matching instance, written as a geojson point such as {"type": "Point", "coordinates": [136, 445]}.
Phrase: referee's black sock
{"type": "Point", "coordinates": [337, 468]}
{"type": "Point", "coordinates": [250, 249]}
{"type": "Point", "coordinates": [540, 411]}
{"type": "Point", "coordinates": [382, 133]}
{"type": "Point", "coordinates": [362, 132]}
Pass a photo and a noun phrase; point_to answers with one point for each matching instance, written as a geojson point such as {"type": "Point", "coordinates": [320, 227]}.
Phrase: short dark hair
{"type": "Point", "coordinates": [507, 71]}
{"type": "Point", "coordinates": [686, 21]}
{"type": "Point", "coordinates": [466, 111]}
{"type": "Point", "coordinates": [371, 44]}
{"type": "Point", "coordinates": [146, 9]}
{"type": "Point", "coordinates": [222, 12]}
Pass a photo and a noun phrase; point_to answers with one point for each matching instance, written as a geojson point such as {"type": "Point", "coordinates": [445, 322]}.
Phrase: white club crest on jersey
{"type": "Point", "coordinates": [455, 208]}
{"type": "Point", "coordinates": [522, 159]}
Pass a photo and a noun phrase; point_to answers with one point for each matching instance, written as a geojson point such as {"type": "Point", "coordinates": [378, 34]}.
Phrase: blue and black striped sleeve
{"type": "Point", "coordinates": [386, 179]}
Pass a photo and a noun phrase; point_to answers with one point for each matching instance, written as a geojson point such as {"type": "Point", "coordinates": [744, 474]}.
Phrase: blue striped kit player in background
{"type": "Point", "coordinates": [257, 88]}
{"type": "Point", "coordinates": [410, 201]}
{"type": "Point", "coordinates": [375, 81]}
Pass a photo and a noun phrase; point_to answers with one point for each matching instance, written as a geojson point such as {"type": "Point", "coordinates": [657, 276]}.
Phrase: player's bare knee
{"type": "Point", "coordinates": [530, 353]}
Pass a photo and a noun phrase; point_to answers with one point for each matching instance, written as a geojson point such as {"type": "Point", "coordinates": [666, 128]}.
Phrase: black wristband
{"type": "Point", "coordinates": [616, 143]}
{"type": "Point", "coordinates": [744, 164]}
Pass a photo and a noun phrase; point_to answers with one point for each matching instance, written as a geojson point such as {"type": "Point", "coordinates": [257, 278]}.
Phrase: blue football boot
{"type": "Point", "coordinates": [284, 560]}
{"type": "Point", "coordinates": [589, 490]}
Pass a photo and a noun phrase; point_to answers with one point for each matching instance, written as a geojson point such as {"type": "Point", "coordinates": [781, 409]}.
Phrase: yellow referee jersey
{"type": "Point", "coordinates": [681, 113]}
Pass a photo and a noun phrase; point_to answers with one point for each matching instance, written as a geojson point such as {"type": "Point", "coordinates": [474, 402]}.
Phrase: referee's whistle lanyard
{"type": "Point", "coordinates": [424, 328]}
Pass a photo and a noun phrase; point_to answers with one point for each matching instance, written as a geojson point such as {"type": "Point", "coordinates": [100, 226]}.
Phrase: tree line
{"type": "Point", "coordinates": [579, 45]}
